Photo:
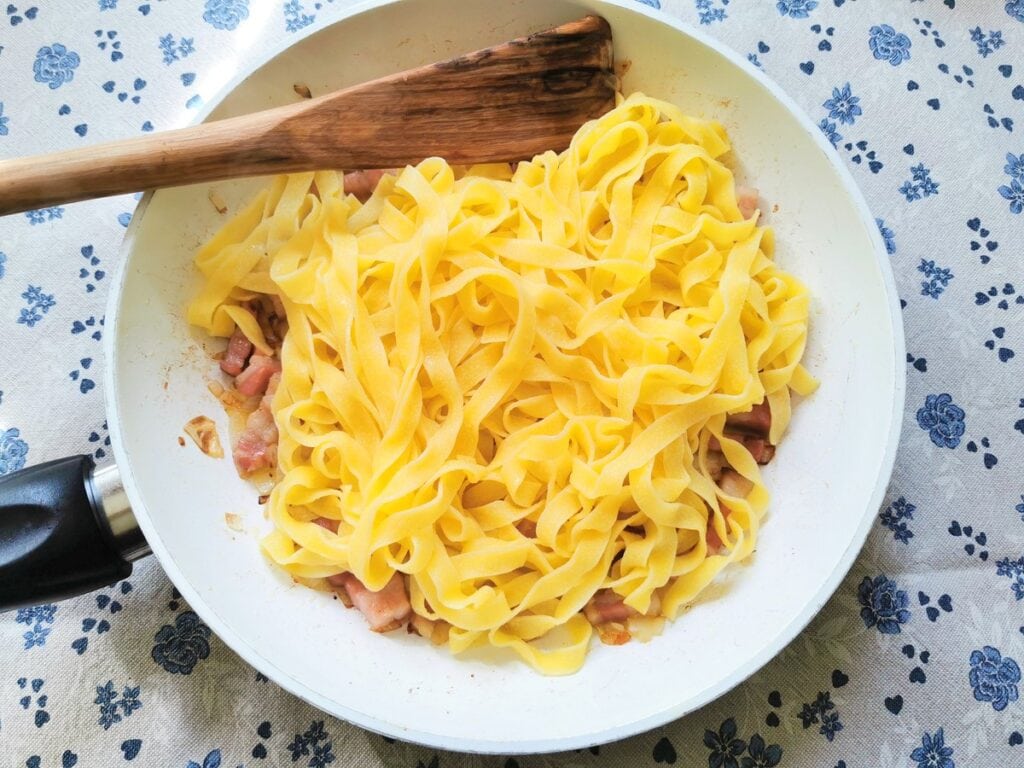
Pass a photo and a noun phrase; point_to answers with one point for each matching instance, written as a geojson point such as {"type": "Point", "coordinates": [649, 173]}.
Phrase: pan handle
{"type": "Point", "coordinates": [65, 528]}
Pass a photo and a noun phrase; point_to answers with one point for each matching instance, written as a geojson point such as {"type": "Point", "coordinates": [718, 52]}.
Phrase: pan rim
{"type": "Point", "coordinates": [771, 648]}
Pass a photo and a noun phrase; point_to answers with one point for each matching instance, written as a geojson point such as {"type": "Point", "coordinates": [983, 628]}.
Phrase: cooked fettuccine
{"type": "Point", "coordinates": [526, 401]}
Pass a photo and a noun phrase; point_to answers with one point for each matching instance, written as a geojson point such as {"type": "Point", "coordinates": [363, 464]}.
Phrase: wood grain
{"type": "Point", "coordinates": [504, 103]}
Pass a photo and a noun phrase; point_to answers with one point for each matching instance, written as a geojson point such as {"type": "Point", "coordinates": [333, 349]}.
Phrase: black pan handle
{"type": "Point", "coordinates": [65, 528]}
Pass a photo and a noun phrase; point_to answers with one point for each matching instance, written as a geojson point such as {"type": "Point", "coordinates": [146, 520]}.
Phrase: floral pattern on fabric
{"type": "Point", "coordinates": [915, 661]}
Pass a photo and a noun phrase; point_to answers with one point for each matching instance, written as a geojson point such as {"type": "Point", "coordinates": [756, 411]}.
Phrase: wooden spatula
{"type": "Point", "coordinates": [508, 102]}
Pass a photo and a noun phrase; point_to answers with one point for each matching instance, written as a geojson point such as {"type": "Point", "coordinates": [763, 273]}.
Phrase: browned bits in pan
{"type": "Point", "coordinates": [204, 432]}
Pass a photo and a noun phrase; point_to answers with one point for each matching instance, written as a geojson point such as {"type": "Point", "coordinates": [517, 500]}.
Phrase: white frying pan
{"type": "Point", "coordinates": [827, 479]}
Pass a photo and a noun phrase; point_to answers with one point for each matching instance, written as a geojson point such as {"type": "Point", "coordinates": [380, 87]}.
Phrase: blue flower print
{"type": "Point", "coordinates": [179, 648]}
{"type": "Point", "coordinates": [895, 519]}
{"type": "Point", "coordinates": [109, 704]}
{"type": "Point", "coordinates": [910, 191]}
{"type": "Point", "coordinates": [830, 725]}
{"type": "Point", "coordinates": [176, 49]}
{"type": "Point", "coordinates": [41, 215]}
{"type": "Point", "coordinates": [315, 743]}
{"type": "Point", "coordinates": [843, 106]}
{"type": "Point", "coordinates": [829, 129]}
{"type": "Point", "coordinates": [35, 297]}
{"type": "Point", "coordinates": [55, 65]}
{"type": "Point", "coordinates": [883, 605]}
{"type": "Point", "coordinates": [919, 172]}
{"type": "Point", "coordinates": [994, 677]}
{"type": "Point", "coordinates": [35, 618]}
{"type": "Point", "coordinates": [106, 698]}
{"type": "Point", "coordinates": [759, 755]}
{"type": "Point", "coordinates": [212, 760]}
{"type": "Point", "coordinates": [707, 13]}
{"type": "Point", "coordinates": [37, 305]}
{"type": "Point", "coordinates": [942, 419]}
{"type": "Point", "coordinates": [933, 752]}
{"type": "Point", "coordinates": [823, 702]}
{"type": "Point", "coordinates": [226, 14]}
{"type": "Point", "coordinates": [889, 45]}
{"type": "Point", "coordinates": [105, 694]}
{"type": "Point", "coordinates": [3, 121]}
{"type": "Point", "coordinates": [1016, 9]}
{"type": "Point", "coordinates": [724, 746]}
{"type": "Point", "coordinates": [921, 184]}
{"type": "Point", "coordinates": [651, 3]}
{"type": "Point", "coordinates": [295, 16]}
{"type": "Point", "coordinates": [1020, 508]}
{"type": "Point", "coordinates": [989, 43]}
{"type": "Point", "coordinates": [1014, 571]}
{"type": "Point", "coordinates": [887, 237]}
{"type": "Point", "coordinates": [13, 451]}
{"type": "Point", "coordinates": [808, 715]}
{"type": "Point", "coordinates": [938, 278]}
{"type": "Point", "coordinates": [1015, 194]}
{"type": "Point", "coordinates": [797, 9]}
{"type": "Point", "coordinates": [298, 747]}
{"type": "Point", "coordinates": [43, 614]}
{"type": "Point", "coordinates": [130, 700]}
{"type": "Point", "coordinates": [1014, 167]}
{"type": "Point", "coordinates": [108, 5]}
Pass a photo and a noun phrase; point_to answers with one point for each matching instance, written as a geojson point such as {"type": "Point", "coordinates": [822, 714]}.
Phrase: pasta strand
{"type": "Point", "coordinates": [503, 383]}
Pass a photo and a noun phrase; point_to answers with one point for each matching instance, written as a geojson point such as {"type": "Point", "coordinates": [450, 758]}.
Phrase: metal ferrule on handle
{"type": "Point", "coordinates": [65, 528]}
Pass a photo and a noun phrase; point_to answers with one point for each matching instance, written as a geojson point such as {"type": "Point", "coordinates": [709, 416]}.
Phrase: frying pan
{"type": "Point", "coordinates": [67, 527]}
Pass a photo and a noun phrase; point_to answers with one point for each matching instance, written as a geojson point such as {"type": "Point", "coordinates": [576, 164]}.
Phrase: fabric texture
{"type": "Point", "coordinates": [916, 659]}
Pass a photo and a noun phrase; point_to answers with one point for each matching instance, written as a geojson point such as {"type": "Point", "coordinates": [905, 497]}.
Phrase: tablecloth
{"type": "Point", "coordinates": [916, 659]}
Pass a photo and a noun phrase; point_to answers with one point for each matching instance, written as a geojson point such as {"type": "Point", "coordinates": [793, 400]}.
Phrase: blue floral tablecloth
{"type": "Point", "coordinates": [914, 663]}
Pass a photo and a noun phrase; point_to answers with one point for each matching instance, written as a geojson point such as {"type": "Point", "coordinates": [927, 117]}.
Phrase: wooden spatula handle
{"type": "Point", "coordinates": [224, 149]}
{"type": "Point", "coordinates": [507, 102]}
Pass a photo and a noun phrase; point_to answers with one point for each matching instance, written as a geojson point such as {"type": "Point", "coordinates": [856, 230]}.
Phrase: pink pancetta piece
{"type": "Point", "coordinates": [384, 610]}
{"type": "Point", "coordinates": [257, 446]}
{"type": "Point", "coordinates": [747, 200]}
{"type": "Point", "coordinates": [756, 422]}
{"type": "Point", "coordinates": [254, 379]}
{"type": "Point", "coordinates": [362, 183]}
{"type": "Point", "coordinates": [326, 522]}
{"type": "Point", "coordinates": [237, 353]}
{"type": "Point", "coordinates": [760, 449]}
{"type": "Point", "coordinates": [605, 607]}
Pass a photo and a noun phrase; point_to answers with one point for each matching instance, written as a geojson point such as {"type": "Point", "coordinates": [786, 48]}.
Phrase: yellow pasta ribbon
{"type": "Point", "coordinates": [552, 344]}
